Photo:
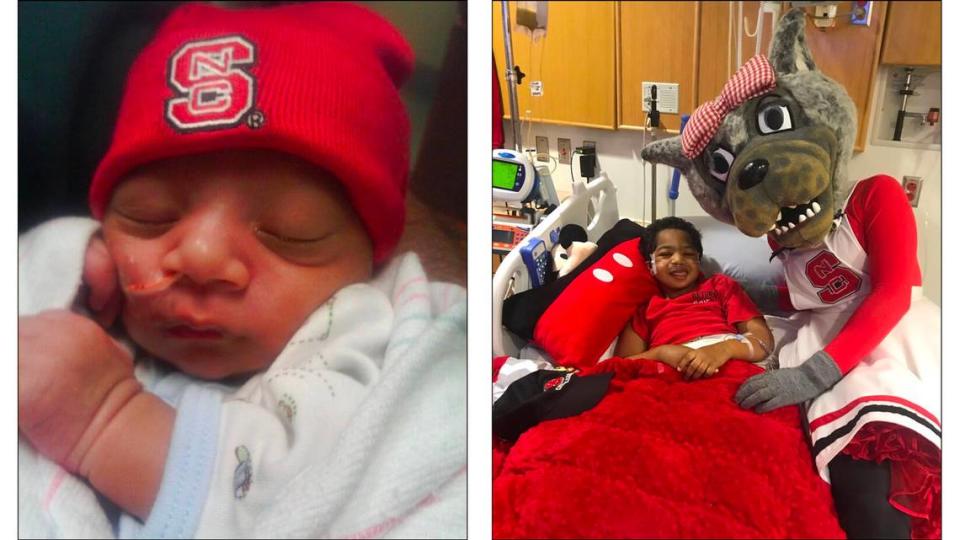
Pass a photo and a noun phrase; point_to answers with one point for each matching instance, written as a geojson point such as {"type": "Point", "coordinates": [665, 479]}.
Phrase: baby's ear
{"type": "Point", "coordinates": [789, 52]}
{"type": "Point", "coordinates": [668, 152]}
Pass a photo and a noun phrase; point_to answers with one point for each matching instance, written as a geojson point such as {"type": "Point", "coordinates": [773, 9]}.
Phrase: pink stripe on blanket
{"type": "Point", "coordinates": [53, 488]}
{"type": "Point", "coordinates": [403, 287]}
{"type": "Point", "coordinates": [378, 530]}
{"type": "Point", "coordinates": [413, 297]}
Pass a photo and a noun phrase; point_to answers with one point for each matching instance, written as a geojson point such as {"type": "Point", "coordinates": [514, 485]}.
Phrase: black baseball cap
{"type": "Point", "coordinates": [546, 395]}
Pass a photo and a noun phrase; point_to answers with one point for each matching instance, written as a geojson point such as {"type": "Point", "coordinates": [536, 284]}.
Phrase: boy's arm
{"type": "Point", "coordinates": [761, 340]}
{"type": "Point", "coordinates": [630, 343]}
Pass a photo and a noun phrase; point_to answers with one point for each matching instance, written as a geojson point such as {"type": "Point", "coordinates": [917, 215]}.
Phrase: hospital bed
{"type": "Point", "coordinates": [656, 457]}
{"type": "Point", "coordinates": [593, 206]}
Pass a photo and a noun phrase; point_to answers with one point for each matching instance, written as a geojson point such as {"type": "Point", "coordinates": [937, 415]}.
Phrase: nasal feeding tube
{"type": "Point", "coordinates": [157, 283]}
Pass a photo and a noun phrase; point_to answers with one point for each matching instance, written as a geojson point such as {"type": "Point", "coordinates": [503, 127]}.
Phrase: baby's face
{"type": "Point", "coordinates": [223, 256]}
{"type": "Point", "coordinates": [676, 262]}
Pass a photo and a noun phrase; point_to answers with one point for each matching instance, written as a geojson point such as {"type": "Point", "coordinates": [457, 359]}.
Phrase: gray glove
{"type": "Point", "coordinates": [789, 386]}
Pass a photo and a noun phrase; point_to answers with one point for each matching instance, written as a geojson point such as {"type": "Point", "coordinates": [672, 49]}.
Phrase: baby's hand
{"type": "Point", "coordinates": [702, 362]}
{"type": "Point", "coordinates": [100, 276]}
{"type": "Point", "coordinates": [73, 378]}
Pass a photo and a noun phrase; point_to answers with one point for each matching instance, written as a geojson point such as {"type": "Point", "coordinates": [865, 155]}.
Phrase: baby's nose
{"type": "Point", "coordinates": [207, 256]}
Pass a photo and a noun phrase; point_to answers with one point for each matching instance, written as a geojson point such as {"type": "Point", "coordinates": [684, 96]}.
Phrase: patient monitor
{"type": "Point", "coordinates": [514, 178]}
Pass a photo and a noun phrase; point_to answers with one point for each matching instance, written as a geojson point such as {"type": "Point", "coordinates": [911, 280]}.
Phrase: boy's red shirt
{"type": "Point", "coordinates": [714, 307]}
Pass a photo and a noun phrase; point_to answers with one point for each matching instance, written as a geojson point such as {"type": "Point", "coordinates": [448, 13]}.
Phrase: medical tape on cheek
{"type": "Point", "coordinates": [154, 285]}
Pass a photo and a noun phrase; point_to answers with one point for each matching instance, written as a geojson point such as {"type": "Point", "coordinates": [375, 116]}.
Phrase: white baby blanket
{"type": "Point", "coordinates": [357, 430]}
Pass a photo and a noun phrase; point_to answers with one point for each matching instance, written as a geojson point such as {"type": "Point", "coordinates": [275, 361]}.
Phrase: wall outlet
{"type": "Point", "coordinates": [563, 147]}
{"type": "Point", "coordinates": [536, 88]}
{"type": "Point", "coordinates": [543, 149]}
{"type": "Point", "coordinates": [912, 185]}
{"type": "Point", "coordinates": [668, 96]}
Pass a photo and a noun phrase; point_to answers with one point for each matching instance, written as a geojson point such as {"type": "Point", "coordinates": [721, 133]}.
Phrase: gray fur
{"type": "Point", "coordinates": [789, 53]}
{"type": "Point", "coordinates": [669, 152]}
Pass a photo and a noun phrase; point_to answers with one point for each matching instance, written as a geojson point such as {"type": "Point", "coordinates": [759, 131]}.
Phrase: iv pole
{"type": "Point", "coordinates": [511, 75]}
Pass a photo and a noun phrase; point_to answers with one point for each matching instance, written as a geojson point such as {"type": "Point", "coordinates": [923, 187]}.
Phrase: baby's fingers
{"type": "Point", "coordinates": [100, 275]}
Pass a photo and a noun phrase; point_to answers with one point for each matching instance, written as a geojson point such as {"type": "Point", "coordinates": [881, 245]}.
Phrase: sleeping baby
{"type": "Point", "coordinates": [697, 324]}
{"type": "Point", "coordinates": [272, 370]}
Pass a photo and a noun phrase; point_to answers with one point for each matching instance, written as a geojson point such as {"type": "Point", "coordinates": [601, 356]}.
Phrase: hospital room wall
{"type": "Point", "coordinates": [618, 155]}
{"type": "Point", "coordinates": [899, 162]}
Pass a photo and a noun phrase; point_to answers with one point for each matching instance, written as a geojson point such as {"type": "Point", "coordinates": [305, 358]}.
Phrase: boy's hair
{"type": "Point", "coordinates": [652, 230]}
{"type": "Point", "coordinates": [319, 81]}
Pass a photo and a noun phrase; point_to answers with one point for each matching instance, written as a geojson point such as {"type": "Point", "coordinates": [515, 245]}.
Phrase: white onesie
{"type": "Point", "coordinates": [357, 429]}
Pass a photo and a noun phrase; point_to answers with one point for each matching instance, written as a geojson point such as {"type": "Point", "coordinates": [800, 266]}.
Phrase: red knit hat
{"type": "Point", "coordinates": [319, 81]}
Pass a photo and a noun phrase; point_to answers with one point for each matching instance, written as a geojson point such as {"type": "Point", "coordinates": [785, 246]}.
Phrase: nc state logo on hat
{"type": "Point", "coordinates": [557, 383]}
{"type": "Point", "coordinates": [213, 90]}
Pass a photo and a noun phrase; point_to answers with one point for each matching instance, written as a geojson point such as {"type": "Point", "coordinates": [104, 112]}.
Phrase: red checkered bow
{"type": "Point", "coordinates": [754, 78]}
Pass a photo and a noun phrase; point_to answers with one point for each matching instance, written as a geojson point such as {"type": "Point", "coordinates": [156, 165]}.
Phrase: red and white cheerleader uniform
{"type": "Point", "coordinates": [861, 302]}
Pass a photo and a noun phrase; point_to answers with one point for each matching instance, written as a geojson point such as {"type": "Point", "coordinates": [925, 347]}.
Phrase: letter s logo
{"type": "Point", "coordinates": [835, 281]}
{"type": "Point", "coordinates": [212, 89]}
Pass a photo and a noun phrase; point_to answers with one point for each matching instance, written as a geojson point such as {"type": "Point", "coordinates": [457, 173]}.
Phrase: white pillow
{"type": "Point", "coordinates": [745, 259]}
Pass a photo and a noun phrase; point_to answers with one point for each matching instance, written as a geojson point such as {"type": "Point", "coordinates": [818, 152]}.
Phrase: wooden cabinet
{"type": "Point", "coordinates": [849, 54]}
{"type": "Point", "coordinates": [596, 55]}
{"type": "Point", "coordinates": [576, 63]}
{"type": "Point", "coordinates": [658, 43]}
{"type": "Point", "coordinates": [718, 49]}
{"type": "Point", "coordinates": [912, 36]}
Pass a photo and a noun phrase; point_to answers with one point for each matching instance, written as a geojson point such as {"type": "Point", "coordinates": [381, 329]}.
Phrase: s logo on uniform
{"type": "Point", "coordinates": [212, 88]}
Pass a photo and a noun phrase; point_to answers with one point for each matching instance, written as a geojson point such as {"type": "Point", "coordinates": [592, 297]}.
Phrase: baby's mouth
{"type": "Point", "coordinates": [188, 331]}
{"type": "Point", "coordinates": [679, 273]}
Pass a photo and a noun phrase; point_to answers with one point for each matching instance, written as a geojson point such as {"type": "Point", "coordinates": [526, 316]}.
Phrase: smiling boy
{"type": "Point", "coordinates": [697, 324]}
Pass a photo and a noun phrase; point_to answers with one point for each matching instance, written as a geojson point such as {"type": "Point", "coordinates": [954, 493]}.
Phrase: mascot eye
{"type": "Point", "coordinates": [774, 118]}
{"type": "Point", "coordinates": [720, 162]}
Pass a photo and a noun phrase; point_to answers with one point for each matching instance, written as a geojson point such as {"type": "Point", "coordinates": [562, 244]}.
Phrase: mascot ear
{"type": "Point", "coordinates": [667, 152]}
{"type": "Point", "coordinates": [790, 53]}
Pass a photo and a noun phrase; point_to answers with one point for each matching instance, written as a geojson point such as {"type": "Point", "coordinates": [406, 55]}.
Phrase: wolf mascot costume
{"type": "Point", "coordinates": [769, 155]}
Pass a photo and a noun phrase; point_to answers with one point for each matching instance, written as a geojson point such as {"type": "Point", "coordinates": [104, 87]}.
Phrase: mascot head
{"type": "Point", "coordinates": [769, 155]}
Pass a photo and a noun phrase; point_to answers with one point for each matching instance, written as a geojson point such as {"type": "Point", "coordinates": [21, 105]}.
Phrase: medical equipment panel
{"type": "Point", "coordinates": [514, 178]}
{"type": "Point", "coordinates": [536, 257]}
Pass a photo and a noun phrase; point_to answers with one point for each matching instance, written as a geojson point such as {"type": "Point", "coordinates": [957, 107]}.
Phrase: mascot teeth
{"type": "Point", "coordinates": [810, 213]}
{"type": "Point", "coordinates": [816, 207]}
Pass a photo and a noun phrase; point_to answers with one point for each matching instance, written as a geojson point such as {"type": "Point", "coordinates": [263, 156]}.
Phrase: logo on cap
{"type": "Point", "coordinates": [557, 383]}
{"type": "Point", "coordinates": [213, 90]}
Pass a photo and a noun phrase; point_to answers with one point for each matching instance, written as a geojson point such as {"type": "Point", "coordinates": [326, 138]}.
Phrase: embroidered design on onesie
{"type": "Point", "coordinates": [287, 406]}
{"type": "Point", "coordinates": [330, 303]}
{"type": "Point", "coordinates": [243, 474]}
{"type": "Point", "coordinates": [326, 333]}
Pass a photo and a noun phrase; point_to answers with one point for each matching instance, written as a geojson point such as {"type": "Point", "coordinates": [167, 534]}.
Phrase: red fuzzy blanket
{"type": "Point", "coordinates": [660, 457]}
